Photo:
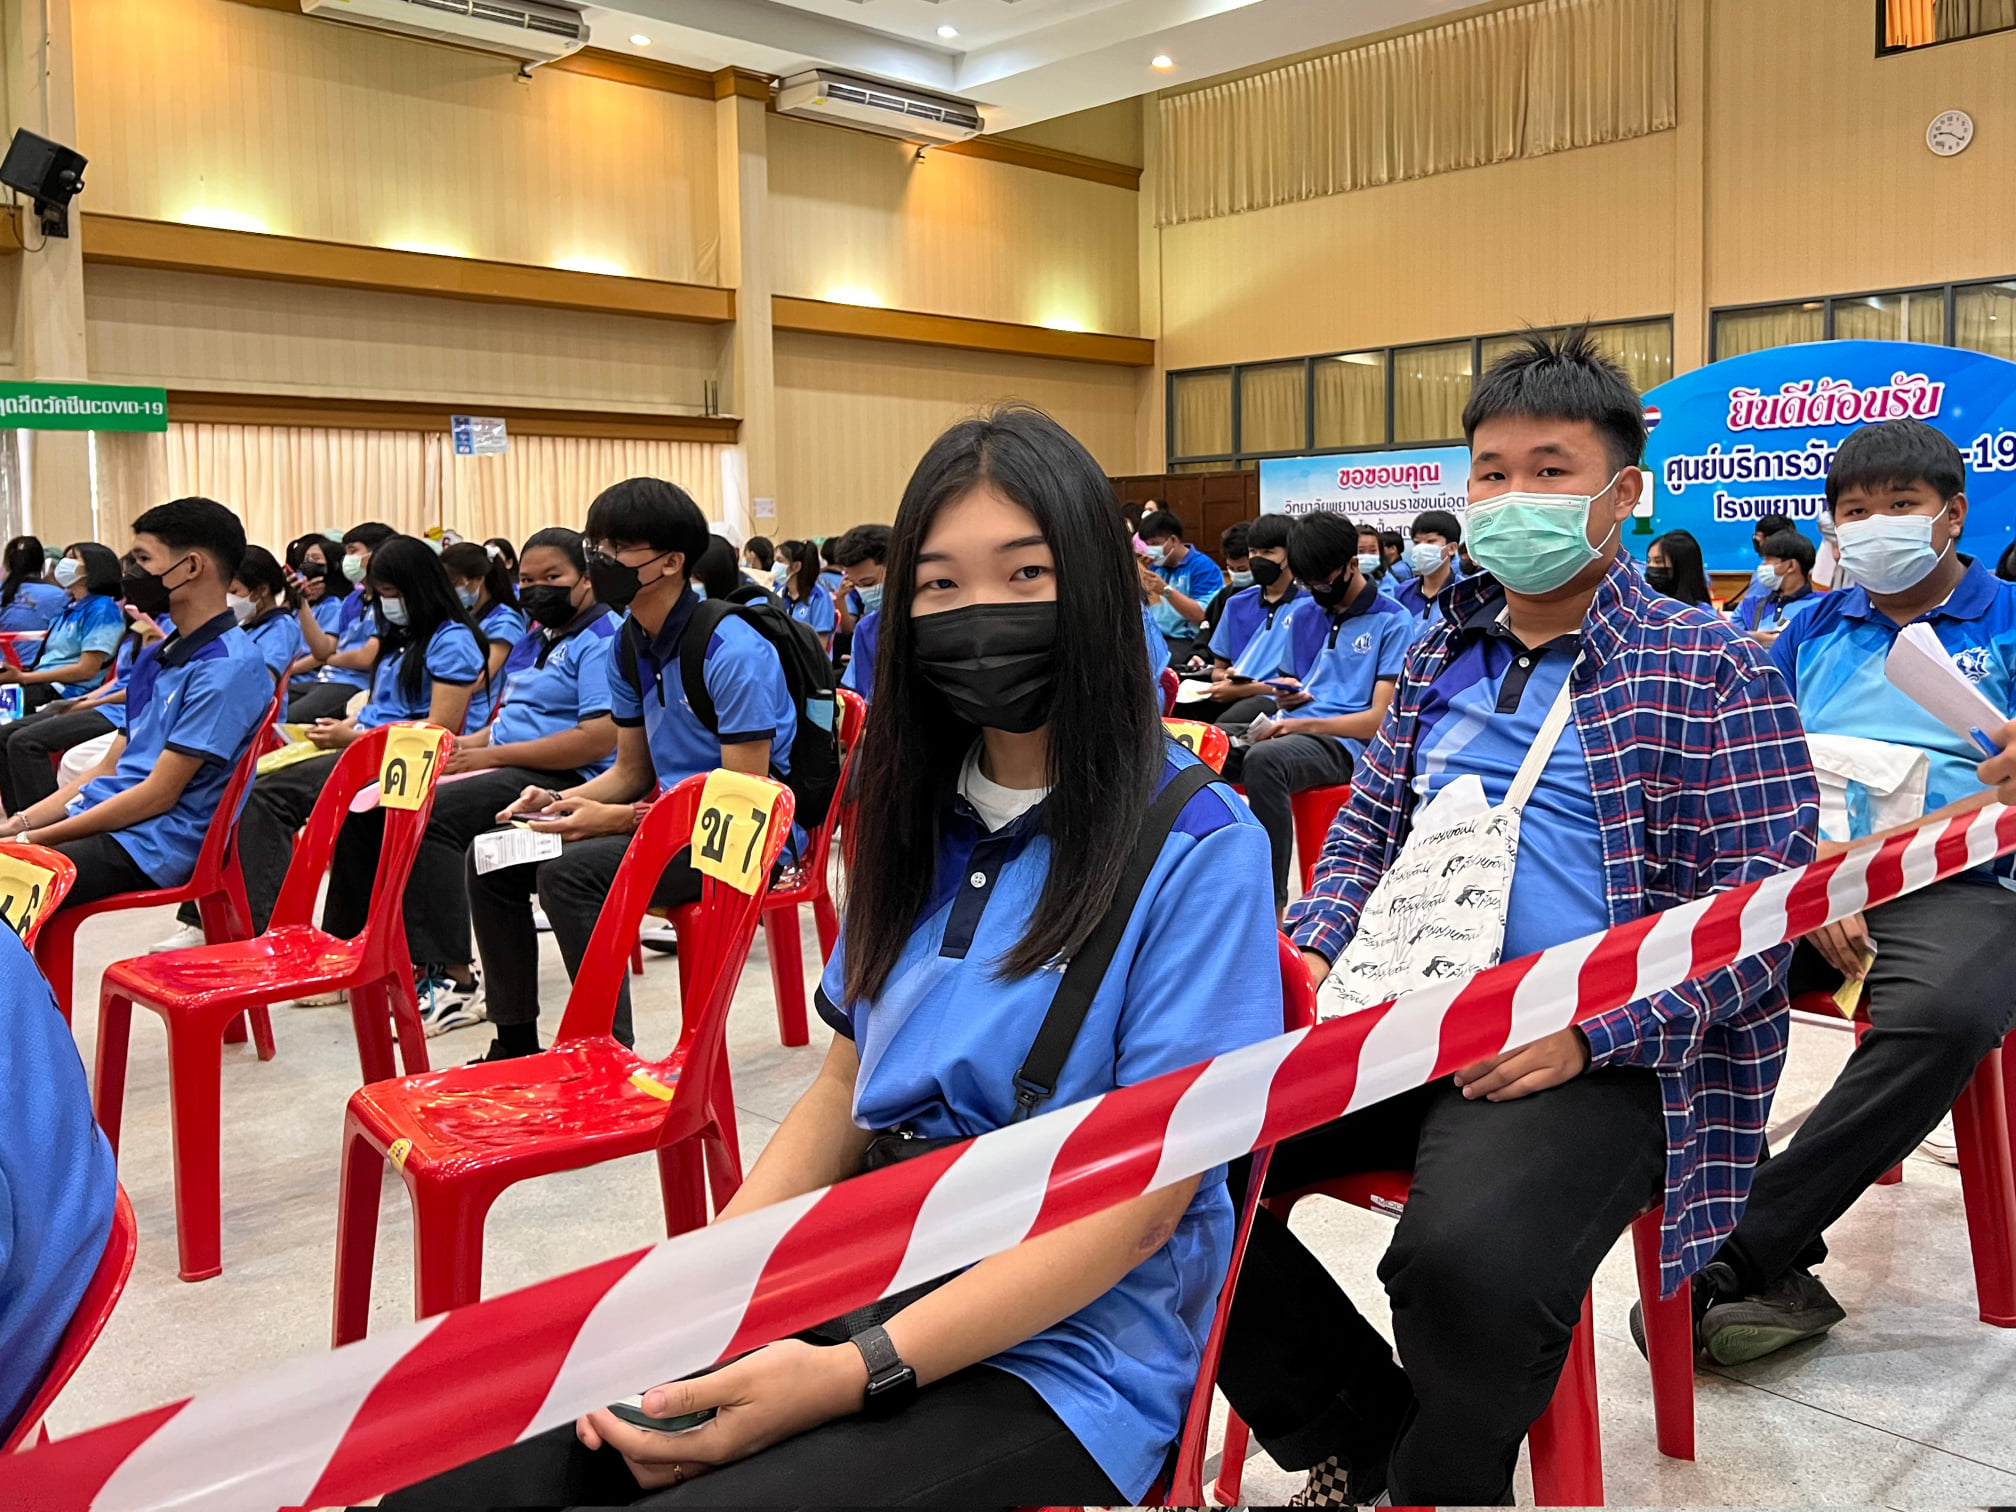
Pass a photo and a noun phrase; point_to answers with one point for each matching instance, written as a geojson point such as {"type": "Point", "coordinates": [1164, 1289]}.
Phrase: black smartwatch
{"type": "Point", "coordinates": [891, 1383]}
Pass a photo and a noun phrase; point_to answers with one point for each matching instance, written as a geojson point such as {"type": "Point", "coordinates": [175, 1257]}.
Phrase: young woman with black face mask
{"type": "Point", "coordinates": [1673, 568]}
{"type": "Point", "coordinates": [1010, 762]}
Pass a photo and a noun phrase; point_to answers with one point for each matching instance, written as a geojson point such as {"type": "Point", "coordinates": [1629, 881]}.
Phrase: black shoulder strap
{"type": "Point", "coordinates": [693, 642]}
{"type": "Point", "coordinates": [1037, 1080]}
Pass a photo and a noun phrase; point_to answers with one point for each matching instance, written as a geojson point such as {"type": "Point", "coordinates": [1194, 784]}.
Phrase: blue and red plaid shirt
{"type": "Point", "coordinates": [1702, 783]}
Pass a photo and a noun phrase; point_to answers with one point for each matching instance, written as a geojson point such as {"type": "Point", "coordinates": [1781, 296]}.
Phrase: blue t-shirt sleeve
{"type": "Point", "coordinates": [222, 700]}
{"type": "Point", "coordinates": [831, 996]}
{"type": "Point", "coordinates": [103, 625]}
{"type": "Point", "coordinates": [1784, 652]}
{"type": "Point", "coordinates": [592, 676]}
{"type": "Point", "coordinates": [454, 657]}
{"type": "Point", "coordinates": [1396, 634]}
{"type": "Point", "coordinates": [1156, 642]}
{"type": "Point", "coordinates": [746, 682]}
{"type": "Point", "coordinates": [820, 611]}
{"type": "Point", "coordinates": [505, 624]}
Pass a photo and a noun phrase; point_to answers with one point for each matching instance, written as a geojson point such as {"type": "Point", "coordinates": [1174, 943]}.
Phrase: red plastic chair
{"type": "Point", "coordinates": [460, 1137]}
{"type": "Point", "coordinates": [199, 991]}
{"type": "Point", "coordinates": [47, 876]}
{"type": "Point", "coordinates": [1207, 742]}
{"type": "Point", "coordinates": [1170, 685]}
{"type": "Point", "coordinates": [94, 1310]}
{"type": "Point", "coordinates": [806, 883]}
{"type": "Point", "coordinates": [1315, 810]}
{"type": "Point", "coordinates": [216, 886]}
{"type": "Point", "coordinates": [1984, 1128]}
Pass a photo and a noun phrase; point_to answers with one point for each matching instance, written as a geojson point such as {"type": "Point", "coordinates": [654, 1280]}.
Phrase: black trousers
{"type": "Point", "coordinates": [27, 774]}
{"type": "Point", "coordinates": [1514, 1205]}
{"type": "Point", "coordinates": [571, 888]}
{"type": "Point", "coordinates": [278, 805]}
{"type": "Point", "coordinates": [1941, 992]}
{"type": "Point", "coordinates": [978, 1439]}
{"type": "Point", "coordinates": [308, 700]}
{"type": "Point", "coordinates": [1273, 772]}
{"type": "Point", "coordinates": [437, 899]}
{"type": "Point", "coordinates": [103, 870]}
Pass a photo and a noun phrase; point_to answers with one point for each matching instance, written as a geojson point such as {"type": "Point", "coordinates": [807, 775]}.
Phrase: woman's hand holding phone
{"type": "Point", "coordinates": [582, 819]}
{"type": "Point", "coordinates": [531, 800]}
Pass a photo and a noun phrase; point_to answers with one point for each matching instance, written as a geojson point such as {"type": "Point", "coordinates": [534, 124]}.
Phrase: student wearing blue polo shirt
{"type": "Point", "coordinates": [1348, 642]}
{"type": "Point", "coordinates": [552, 729]}
{"type": "Point", "coordinates": [862, 554]}
{"type": "Point", "coordinates": [1250, 636]}
{"type": "Point", "coordinates": [804, 593]}
{"type": "Point", "coordinates": [345, 653]}
{"type": "Point", "coordinates": [428, 666]}
{"type": "Point", "coordinates": [1011, 760]}
{"type": "Point", "coordinates": [641, 535]}
{"type": "Point", "coordinates": [28, 601]}
{"type": "Point", "coordinates": [308, 557]}
{"type": "Point", "coordinates": [1431, 564]}
{"type": "Point", "coordinates": [192, 705]}
{"type": "Point", "coordinates": [1941, 989]}
{"type": "Point", "coordinates": [1180, 584]}
{"type": "Point", "coordinates": [259, 599]}
{"type": "Point", "coordinates": [27, 774]}
{"type": "Point", "coordinates": [1788, 557]}
{"type": "Point", "coordinates": [483, 583]}
{"type": "Point", "coordinates": [84, 634]}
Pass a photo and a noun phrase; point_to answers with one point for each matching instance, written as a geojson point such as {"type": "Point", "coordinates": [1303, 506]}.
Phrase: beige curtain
{"type": "Point", "coordinates": [1271, 408]}
{"type": "Point", "coordinates": [1916, 316]}
{"type": "Point", "coordinates": [1908, 23]}
{"type": "Point", "coordinates": [1984, 319]}
{"type": "Point", "coordinates": [1967, 18]}
{"type": "Point", "coordinates": [1643, 349]}
{"type": "Point", "coordinates": [1520, 82]}
{"type": "Point", "coordinates": [1740, 331]}
{"type": "Point", "coordinates": [551, 480]}
{"type": "Point", "coordinates": [1204, 414]}
{"type": "Point", "coordinates": [1351, 400]}
{"type": "Point", "coordinates": [1430, 387]}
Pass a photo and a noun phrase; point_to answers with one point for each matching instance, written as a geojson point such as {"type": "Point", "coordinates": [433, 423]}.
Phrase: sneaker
{"type": "Point", "coordinates": [1941, 1144]}
{"type": "Point", "coordinates": [186, 937]}
{"type": "Point", "coordinates": [659, 935]}
{"type": "Point", "coordinates": [1748, 1328]}
{"type": "Point", "coordinates": [1714, 1282]}
{"type": "Point", "coordinates": [1335, 1484]}
{"type": "Point", "coordinates": [539, 920]}
{"type": "Point", "coordinates": [447, 1005]}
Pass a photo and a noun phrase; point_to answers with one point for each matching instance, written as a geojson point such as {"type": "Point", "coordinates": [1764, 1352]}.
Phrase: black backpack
{"type": "Point", "coordinates": [808, 673]}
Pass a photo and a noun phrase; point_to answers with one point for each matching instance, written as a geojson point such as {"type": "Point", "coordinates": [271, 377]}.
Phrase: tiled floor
{"type": "Point", "coordinates": [1911, 1402]}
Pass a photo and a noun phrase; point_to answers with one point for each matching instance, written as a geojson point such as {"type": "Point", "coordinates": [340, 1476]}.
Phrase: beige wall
{"type": "Point", "coordinates": [951, 235]}
{"type": "Point", "coordinates": [853, 417]}
{"type": "Point", "coordinates": [1112, 132]}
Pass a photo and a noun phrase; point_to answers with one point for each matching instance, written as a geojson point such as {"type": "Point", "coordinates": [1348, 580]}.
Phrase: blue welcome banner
{"type": "Point", "coordinates": [1754, 435]}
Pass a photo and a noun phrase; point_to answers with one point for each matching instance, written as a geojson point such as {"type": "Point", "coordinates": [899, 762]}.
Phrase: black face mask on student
{"type": "Point", "coordinates": [1661, 580]}
{"type": "Point", "coordinates": [1330, 595]}
{"type": "Point", "coordinates": [616, 583]}
{"type": "Point", "coordinates": [147, 592]}
{"type": "Point", "coordinates": [549, 604]}
{"type": "Point", "coordinates": [993, 662]}
{"type": "Point", "coordinates": [1266, 571]}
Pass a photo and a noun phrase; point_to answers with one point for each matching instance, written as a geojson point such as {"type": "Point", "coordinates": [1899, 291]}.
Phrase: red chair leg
{"type": "Point", "coordinates": [827, 922]}
{"type": "Point", "coordinates": [1669, 1344]}
{"type": "Point", "coordinates": [262, 1032]}
{"type": "Point", "coordinates": [195, 1067]}
{"type": "Point", "coordinates": [369, 1020]}
{"type": "Point", "coordinates": [787, 972]}
{"type": "Point", "coordinates": [234, 1032]}
{"type": "Point", "coordinates": [1891, 1177]}
{"type": "Point", "coordinates": [682, 1185]}
{"type": "Point", "coordinates": [1988, 1186]}
{"type": "Point", "coordinates": [447, 1246]}
{"type": "Point", "coordinates": [1231, 1462]}
{"type": "Point", "coordinates": [404, 1002]}
{"type": "Point", "coordinates": [56, 954]}
{"type": "Point", "coordinates": [637, 960]}
{"type": "Point", "coordinates": [115, 1029]}
{"type": "Point", "coordinates": [1567, 1439]}
{"type": "Point", "coordinates": [356, 1239]}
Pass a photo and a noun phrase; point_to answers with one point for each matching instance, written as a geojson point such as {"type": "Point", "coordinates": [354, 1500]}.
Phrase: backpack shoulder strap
{"type": "Point", "coordinates": [693, 643]}
{"type": "Point", "coordinates": [1036, 1082]}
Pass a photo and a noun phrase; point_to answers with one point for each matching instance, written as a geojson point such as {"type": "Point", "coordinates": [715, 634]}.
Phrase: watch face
{"type": "Point", "coordinates": [1950, 132]}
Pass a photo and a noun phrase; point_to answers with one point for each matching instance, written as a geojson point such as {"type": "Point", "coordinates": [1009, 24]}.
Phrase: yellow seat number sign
{"type": "Point", "coordinates": [412, 753]}
{"type": "Point", "coordinates": [1187, 733]}
{"type": "Point", "coordinates": [732, 826]}
{"type": "Point", "coordinates": [23, 886]}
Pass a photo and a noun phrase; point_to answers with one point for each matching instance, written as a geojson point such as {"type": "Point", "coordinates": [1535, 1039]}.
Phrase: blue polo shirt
{"type": "Point", "coordinates": [860, 673]}
{"type": "Point", "coordinates": [200, 694]}
{"type": "Point", "coordinates": [328, 611]}
{"type": "Point", "coordinates": [34, 605]}
{"type": "Point", "coordinates": [1412, 597]}
{"type": "Point", "coordinates": [553, 683]}
{"type": "Point", "coordinates": [57, 1180]}
{"type": "Point", "coordinates": [1773, 611]}
{"type": "Point", "coordinates": [122, 671]}
{"type": "Point", "coordinates": [501, 625]}
{"type": "Point", "coordinates": [1480, 717]}
{"type": "Point", "coordinates": [1158, 645]}
{"type": "Point", "coordinates": [1197, 577]}
{"type": "Point", "coordinates": [92, 623]}
{"type": "Point", "coordinates": [452, 657]}
{"type": "Point", "coordinates": [1254, 634]}
{"type": "Point", "coordinates": [356, 623]}
{"type": "Point", "coordinates": [1832, 655]}
{"type": "Point", "coordinates": [815, 610]}
{"type": "Point", "coordinates": [1341, 658]}
{"type": "Point", "coordinates": [277, 634]}
{"type": "Point", "coordinates": [939, 1048]}
{"type": "Point", "coordinates": [743, 676]}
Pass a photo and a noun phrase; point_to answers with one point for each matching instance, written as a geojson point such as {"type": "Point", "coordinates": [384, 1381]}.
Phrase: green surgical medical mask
{"type": "Point", "coordinates": [1535, 542]}
{"type": "Point", "coordinates": [354, 568]}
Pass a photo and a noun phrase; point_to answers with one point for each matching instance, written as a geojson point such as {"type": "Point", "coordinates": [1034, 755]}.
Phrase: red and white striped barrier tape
{"type": "Point", "coordinates": [400, 1406]}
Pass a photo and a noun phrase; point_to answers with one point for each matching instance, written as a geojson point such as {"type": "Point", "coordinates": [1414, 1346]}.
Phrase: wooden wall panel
{"type": "Point", "coordinates": [853, 417]}
{"type": "Point", "coordinates": [951, 235]}
{"type": "Point", "coordinates": [323, 130]}
{"type": "Point", "coordinates": [191, 330]}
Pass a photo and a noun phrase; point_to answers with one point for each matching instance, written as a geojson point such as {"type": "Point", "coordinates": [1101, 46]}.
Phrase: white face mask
{"type": "Point", "coordinates": [1890, 553]}
{"type": "Point", "coordinates": [68, 571]}
{"type": "Point", "coordinates": [1425, 557]}
{"type": "Point", "coordinates": [1767, 576]}
{"type": "Point", "coordinates": [1368, 562]}
{"type": "Point", "coordinates": [241, 606]}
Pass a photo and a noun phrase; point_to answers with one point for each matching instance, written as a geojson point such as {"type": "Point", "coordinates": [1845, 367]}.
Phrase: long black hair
{"type": "Point", "coordinates": [804, 575]}
{"type": "Point", "coordinates": [1106, 739]}
{"type": "Point", "coordinates": [1683, 555]}
{"type": "Point", "coordinates": [25, 563]}
{"type": "Point", "coordinates": [410, 568]}
{"type": "Point", "coordinates": [102, 572]}
{"type": "Point", "coordinates": [467, 559]}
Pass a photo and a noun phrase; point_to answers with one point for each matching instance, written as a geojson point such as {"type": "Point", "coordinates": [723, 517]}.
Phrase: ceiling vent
{"type": "Point", "coordinates": [847, 100]}
{"type": "Point", "coordinates": [524, 29]}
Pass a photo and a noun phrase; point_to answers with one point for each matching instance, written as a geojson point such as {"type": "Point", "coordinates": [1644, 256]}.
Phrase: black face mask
{"type": "Point", "coordinates": [1660, 579]}
{"type": "Point", "coordinates": [1266, 571]}
{"type": "Point", "coordinates": [548, 604]}
{"type": "Point", "coordinates": [993, 662]}
{"type": "Point", "coordinates": [616, 583]}
{"type": "Point", "coordinates": [147, 592]}
{"type": "Point", "coordinates": [1330, 595]}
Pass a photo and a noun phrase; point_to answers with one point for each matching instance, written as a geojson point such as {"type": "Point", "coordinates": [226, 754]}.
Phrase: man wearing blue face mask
{"type": "Point", "coordinates": [1181, 585]}
{"type": "Point", "coordinates": [1431, 565]}
{"type": "Point", "coordinates": [863, 555]}
{"type": "Point", "coordinates": [1940, 988]}
{"type": "Point", "coordinates": [1679, 770]}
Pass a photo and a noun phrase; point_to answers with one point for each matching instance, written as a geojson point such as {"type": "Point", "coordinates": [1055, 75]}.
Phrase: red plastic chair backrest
{"type": "Point", "coordinates": [853, 717]}
{"type": "Point", "coordinates": [220, 840]}
{"type": "Point", "coordinates": [1170, 684]}
{"type": "Point", "coordinates": [384, 927]}
{"type": "Point", "coordinates": [26, 916]}
{"type": "Point", "coordinates": [1207, 742]}
{"type": "Point", "coordinates": [94, 1310]}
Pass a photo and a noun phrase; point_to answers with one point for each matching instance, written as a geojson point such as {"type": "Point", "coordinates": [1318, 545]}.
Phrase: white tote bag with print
{"type": "Point", "coordinates": [1438, 915]}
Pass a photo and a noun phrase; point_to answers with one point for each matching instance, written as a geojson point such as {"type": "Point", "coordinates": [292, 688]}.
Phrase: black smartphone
{"type": "Point", "coordinates": [637, 1417]}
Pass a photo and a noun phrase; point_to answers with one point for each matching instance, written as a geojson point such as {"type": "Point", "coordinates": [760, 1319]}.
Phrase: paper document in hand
{"type": "Point", "coordinates": [1920, 669]}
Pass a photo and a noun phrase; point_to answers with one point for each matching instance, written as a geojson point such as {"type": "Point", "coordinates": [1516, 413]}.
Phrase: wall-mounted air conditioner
{"type": "Point", "coordinates": [891, 109]}
{"type": "Point", "coordinates": [525, 29]}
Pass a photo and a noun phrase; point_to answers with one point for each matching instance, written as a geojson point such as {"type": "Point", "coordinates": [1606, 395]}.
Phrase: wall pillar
{"type": "Point", "coordinates": [747, 368]}
{"type": "Point", "coordinates": [1690, 190]}
{"type": "Point", "coordinates": [1151, 450]}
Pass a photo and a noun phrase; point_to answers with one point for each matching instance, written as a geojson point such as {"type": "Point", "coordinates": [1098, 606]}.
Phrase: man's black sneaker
{"type": "Point", "coordinates": [1714, 1282]}
{"type": "Point", "coordinates": [1747, 1328]}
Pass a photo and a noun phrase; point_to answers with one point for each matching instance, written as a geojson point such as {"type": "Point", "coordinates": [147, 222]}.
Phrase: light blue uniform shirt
{"type": "Point", "coordinates": [277, 634]}
{"type": "Point", "coordinates": [501, 624]}
{"type": "Point", "coordinates": [1340, 660]}
{"type": "Point", "coordinates": [201, 695]}
{"type": "Point", "coordinates": [328, 611]}
{"type": "Point", "coordinates": [34, 606]}
{"type": "Point", "coordinates": [554, 684]}
{"type": "Point", "coordinates": [860, 673]}
{"type": "Point", "coordinates": [57, 1181]}
{"type": "Point", "coordinates": [939, 1048]}
{"type": "Point", "coordinates": [743, 676]}
{"type": "Point", "coordinates": [1412, 597]}
{"type": "Point", "coordinates": [1770, 612]}
{"type": "Point", "coordinates": [1254, 635]}
{"type": "Point", "coordinates": [122, 670]}
{"type": "Point", "coordinates": [815, 610]}
{"type": "Point", "coordinates": [356, 623]}
{"type": "Point", "coordinates": [1197, 577]}
{"type": "Point", "coordinates": [452, 657]}
{"type": "Point", "coordinates": [92, 623]}
{"type": "Point", "coordinates": [1158, 648]}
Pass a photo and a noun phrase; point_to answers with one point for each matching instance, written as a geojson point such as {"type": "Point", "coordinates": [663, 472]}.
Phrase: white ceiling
{"type": "Point", "coordinates": [1021, 60]}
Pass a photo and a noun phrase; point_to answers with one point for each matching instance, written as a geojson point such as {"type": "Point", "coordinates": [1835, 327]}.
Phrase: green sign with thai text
{"type": "Point", "coordinates": [82, 407]}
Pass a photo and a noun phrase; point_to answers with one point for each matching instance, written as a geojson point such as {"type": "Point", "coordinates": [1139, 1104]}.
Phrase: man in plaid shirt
{"type": "Point", "coordinates": [1682, 772]}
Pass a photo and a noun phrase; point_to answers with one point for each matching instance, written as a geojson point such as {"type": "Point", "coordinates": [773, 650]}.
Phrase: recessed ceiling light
{"type": "Point", "coordinates": [638, 39]}
{"type": "Point", "coordinates": [948, 32]}
{"type": "Point", "coordinates": [1161, 60]}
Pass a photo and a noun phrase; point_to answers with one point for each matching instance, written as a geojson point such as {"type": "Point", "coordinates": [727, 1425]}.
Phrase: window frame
{"type": "Point", "coordinates": [1885, 50]}
{"type": "Point", "coordinates": [1949, 293]}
